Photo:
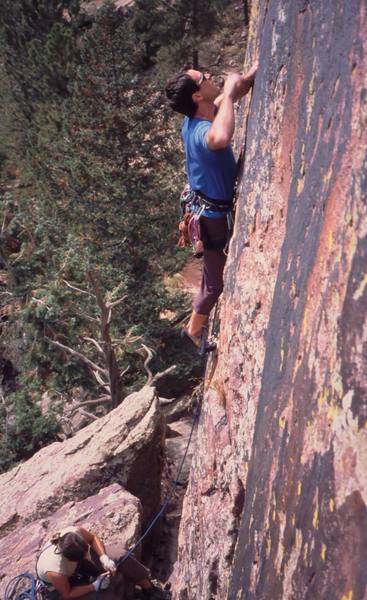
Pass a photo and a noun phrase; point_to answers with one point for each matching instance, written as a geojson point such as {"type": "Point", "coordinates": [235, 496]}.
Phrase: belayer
{"type": "Point", "coordinates": [207, 131]}
{"type": "Point", "coordinates": [76, 564]}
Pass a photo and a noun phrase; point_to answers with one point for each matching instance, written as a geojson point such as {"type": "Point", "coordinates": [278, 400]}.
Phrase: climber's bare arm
{"type": "Point", "coordinates": [93, 540]}
{"type": "Point", "coordinates": [62, 585]}
{"type": "Point", "coordinates": [243, 87]}
{"type": "Point", "coordinates": [221, 130]}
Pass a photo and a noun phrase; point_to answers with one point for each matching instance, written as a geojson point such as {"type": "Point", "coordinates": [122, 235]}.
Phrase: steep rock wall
{"type": "Point", "coordinates": [276, 503]}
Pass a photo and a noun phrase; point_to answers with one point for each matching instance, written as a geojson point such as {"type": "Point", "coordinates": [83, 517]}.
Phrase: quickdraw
{"type": "Point", "coordinates": [193, 203]}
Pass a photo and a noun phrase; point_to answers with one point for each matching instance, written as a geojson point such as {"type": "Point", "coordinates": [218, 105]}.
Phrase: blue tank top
{"type": "Point", "coordinates": [212, 172]}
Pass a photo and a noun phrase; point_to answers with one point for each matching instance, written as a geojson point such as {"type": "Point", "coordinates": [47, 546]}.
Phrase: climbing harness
{"type": "Point", "coordinates": [193, 204]}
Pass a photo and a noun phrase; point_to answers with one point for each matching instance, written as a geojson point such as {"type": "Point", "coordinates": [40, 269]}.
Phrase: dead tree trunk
{"type": "Point", "coordinates": [114, 375]}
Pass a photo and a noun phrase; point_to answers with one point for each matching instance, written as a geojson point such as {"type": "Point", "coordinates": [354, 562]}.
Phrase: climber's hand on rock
{"type": "Point", "coordinates": [108, 563]}
{"type": "Point", "coordinates": [249, 76]}
{"type": "Point", "coordinates": [233, 85]}
{"type": "Point", "coordinates": [102, 582]}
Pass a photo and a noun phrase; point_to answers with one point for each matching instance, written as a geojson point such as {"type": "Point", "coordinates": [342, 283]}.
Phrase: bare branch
{"type": "Point", "coordinates": [164, 401]}
{"type": "Point", "coordinates": [126, 340]}
{"type": "Point", "coordinates": [162, 374]}
{"type": "Point", "coordinates": [116, 302]}
{"type": "Point", "coordinates": [7, 411]}
{"type": "Point", "coordinates": [3, 225]}
{"type": "Point", "coordinates": [79, 355]}
{"type": "Point", "coordinates": [97, 345]}
{"type": "Point", "coordinates": [85, 316]}
{"type": "Point", "coordinates": [100, 380]}
{"type": "Point", "coordinates": [87, 414]}
{"type": "Point", "coordinates": [19, 254]}
{"type": "Point", "coordinates": [106, 399]}
{"type": "Point", "coordinates": [101, 400]}
{"type": "Point", "coordinates": [96, 289]}
{"type": "Point", "coordinates": [122, 373]}
{"type": "Point", "coordinates": [146, 363]}
{"type": "Point", "coordinates": [73, 287]}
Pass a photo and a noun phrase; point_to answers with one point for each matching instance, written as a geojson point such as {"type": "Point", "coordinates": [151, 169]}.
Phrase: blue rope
{"type": "Point", "coordinates": [29, 594]}
{"type": "Point", "coordinates": [166, 502]}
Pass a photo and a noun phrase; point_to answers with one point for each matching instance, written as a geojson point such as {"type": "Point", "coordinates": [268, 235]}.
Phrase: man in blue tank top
{"type": "Point", "coordinates": [207, 130]}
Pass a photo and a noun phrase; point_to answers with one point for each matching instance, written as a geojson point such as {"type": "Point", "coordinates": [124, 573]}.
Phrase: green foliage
{"type": "Point", "coordinates": [173, 33]}
{"type": "Point", "coordinates": [26, 430]}
{"type": "Point", "coordinates": [85, 124]}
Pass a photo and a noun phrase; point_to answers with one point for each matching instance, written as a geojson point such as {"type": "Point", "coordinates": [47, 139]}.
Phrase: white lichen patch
{"type": "Point", "coordinates": [350, 453]}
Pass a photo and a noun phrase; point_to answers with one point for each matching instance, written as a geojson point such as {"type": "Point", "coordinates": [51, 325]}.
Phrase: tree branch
{"type": "Point", "coordinates": [97, 345]}
{"type": "Point", "coordinates": [100, 380]}
{"type": "Point", "coordinates": [106, 399]}
{"type": "Point", "coordinates": [73, 287]}
{"type": "Point", "coordinates": [79, 355]}
{"type": "Point", "coordinates": [116, 302]}
{"type": "Point", "coordinates": [85, 316]}
{"type": "Point", "coordinates": [122, 373]}
{"type": "Point", "coordinates": [87, 414]}
{"type": "Point", "coordinates": [162, 374]}
{"type": "Point", "coordinates": [146, 363]}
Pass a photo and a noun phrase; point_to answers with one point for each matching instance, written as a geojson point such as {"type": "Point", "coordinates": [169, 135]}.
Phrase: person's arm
{"type": "Point", "coordinates": [93, 540]}
{"type": "Point", "coordinates": [62, 585]}
{"type": "Point", "coordinates": [99, 548]}
{"type": "Point", "coordinates": [244, 86]}
{"type": "Point", "coordinates": [221, 130]}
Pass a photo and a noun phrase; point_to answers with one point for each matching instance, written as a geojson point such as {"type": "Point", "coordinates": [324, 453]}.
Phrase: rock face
{"type": "Point", "coordinates": [116, 449]}
{"type": "Point", "coordinates": [276, 504]}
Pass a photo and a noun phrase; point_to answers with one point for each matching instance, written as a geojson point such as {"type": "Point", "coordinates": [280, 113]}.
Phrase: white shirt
{"type": "Point", "coordinates": [51, 560]}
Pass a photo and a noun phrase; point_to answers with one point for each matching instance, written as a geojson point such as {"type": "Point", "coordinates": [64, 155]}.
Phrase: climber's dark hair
{"type": "Point", "coordinates": [179, 91]}
{"type": "Point", "coordinates": [71, 545]}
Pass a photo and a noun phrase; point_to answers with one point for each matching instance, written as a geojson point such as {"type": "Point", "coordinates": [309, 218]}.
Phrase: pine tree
{"type": "Point", "coordinates": [97, 200]}
{"type": "Point", "coordinates": [100, 173]}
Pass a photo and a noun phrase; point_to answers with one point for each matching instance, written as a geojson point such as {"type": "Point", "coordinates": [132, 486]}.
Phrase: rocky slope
{"type": "Point", "coordinates": [276, 504]}
{"type": "Point", "coordinates": [106, 478]}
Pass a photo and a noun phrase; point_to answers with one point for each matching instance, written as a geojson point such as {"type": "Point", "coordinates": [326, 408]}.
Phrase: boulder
{"type": "Point", "coordinates": [113, 514]}
{"type": "Point", "coordinates": [177, 408]}
{"type": "Point", "coordinates": [126, 446]}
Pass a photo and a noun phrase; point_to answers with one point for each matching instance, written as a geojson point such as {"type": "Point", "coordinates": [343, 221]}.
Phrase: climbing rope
{"type": "Point", "coordinates": [22, 587]}
{"type": "Point", "coordinates": [27, 580]}
{"type": "Point", "coordinates": [31, 593]}
{"type": "Point", "coordinates": [172, 490]}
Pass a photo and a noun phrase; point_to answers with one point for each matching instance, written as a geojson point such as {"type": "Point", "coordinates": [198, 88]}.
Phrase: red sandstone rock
{"type": "Point", "coordinates": [116, 448]}
{"type": "Point", "coordinates": [281, 458]}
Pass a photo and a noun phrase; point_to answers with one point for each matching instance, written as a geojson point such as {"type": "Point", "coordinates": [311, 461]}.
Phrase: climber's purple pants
{"type": "Point", "coordinates": [214, 235]}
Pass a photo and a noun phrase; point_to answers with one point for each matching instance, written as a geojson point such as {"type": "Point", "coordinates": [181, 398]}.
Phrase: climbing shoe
{"type": "Point", "coordinates": [200, 342]}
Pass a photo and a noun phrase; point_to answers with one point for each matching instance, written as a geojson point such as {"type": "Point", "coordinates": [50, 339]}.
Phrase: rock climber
{"type": "Point", "coordinates": [207, 131]}
{"type": "Point", "coordinates": [75, 564]}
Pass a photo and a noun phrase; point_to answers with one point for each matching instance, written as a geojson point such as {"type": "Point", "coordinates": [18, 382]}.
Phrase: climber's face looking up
{"type": "Point", "coordinates": [207, 88]}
